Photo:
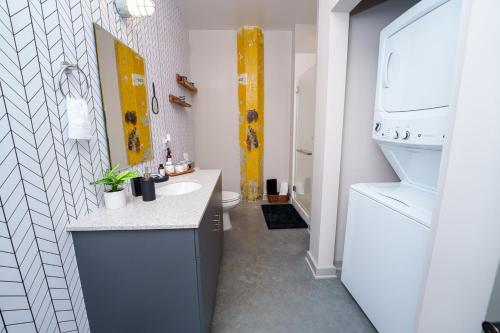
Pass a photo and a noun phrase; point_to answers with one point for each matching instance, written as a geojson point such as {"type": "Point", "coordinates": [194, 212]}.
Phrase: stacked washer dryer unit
{"type": "Point", "coordinates": [388, 223]}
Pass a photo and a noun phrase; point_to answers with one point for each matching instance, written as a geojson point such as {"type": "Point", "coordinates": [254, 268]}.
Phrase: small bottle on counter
{"type": "Point", "coordinates": [161, 170]}
{"type": "Point", "coordinates": [169, 166]}
{"type": "Point", "coordinates": [169, 156]}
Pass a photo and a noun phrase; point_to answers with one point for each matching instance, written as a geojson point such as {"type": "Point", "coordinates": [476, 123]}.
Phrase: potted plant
{"type": "Point", "coordinates": [114, 197]}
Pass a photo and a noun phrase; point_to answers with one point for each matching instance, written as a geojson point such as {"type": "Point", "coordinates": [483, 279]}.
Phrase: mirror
{"type": "Point", "coordinates": [125, 101]}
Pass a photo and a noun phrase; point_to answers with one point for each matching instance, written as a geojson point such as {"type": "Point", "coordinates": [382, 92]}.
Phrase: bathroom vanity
{"type": "Point", "coordinates": [153, 266]}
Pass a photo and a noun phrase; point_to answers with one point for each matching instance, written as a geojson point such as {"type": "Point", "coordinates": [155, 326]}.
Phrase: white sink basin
{"type": "Point", "coordinates": [178, 188]}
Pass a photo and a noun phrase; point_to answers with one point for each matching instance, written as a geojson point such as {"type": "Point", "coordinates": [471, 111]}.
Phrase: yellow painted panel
{"type": "Point", "coordinates": [134, 106]}
{"type": "Point", "coordinates": [251, 111]}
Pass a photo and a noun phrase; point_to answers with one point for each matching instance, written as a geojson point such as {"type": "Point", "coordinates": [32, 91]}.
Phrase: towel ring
{"type": "Point", "coordinates": [67, 68]}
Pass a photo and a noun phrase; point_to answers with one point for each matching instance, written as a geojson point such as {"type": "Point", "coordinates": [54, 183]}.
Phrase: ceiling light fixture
{"type": "Point", "coordinates": [135, 8]}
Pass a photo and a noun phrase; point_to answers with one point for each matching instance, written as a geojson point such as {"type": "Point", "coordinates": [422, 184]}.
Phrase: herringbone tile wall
{"type": "Point", "coordinates": [44, 177]}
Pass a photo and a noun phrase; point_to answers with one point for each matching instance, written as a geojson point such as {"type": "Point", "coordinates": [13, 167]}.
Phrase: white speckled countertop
{"type": "Point", "coordinates": [166, 212]}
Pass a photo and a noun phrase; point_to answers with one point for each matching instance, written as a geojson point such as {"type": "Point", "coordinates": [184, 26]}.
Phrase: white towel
{"type": "Point", "coordinates": [284, 188]}
{"type": "Point", "coordinates": [78, 119]}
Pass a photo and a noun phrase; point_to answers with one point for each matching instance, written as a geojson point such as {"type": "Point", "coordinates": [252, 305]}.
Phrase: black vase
{"type": "Point", "coordinates": [135, 185]}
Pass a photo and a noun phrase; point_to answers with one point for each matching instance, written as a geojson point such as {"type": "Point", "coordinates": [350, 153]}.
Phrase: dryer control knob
{"type": "Point", "coordinates": [378, 126]}
{"type": "Point", "coordinates": [395, 135]}
{"type": "Point", "coordinates": [406, 136]}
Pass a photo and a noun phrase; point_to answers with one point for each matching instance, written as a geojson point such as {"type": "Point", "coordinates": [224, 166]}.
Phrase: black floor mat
{"type": "Point", "coordinates": [282, 217]}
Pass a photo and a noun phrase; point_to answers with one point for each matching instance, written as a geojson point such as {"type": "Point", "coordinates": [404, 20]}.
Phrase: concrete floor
{"type": "Point", "coordinates": [265, 284]}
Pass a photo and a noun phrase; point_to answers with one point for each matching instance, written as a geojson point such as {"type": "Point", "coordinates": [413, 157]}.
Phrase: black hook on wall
{"type": "Point", "coordinates": [154, 102]}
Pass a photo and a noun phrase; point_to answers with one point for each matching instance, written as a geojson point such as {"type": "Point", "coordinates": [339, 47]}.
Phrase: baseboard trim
{"type": "Point", "coordinates": [338, 266]}
{"type": "Point", "coordinates": [320, 272]}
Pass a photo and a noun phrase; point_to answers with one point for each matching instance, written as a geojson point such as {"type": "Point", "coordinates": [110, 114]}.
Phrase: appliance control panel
{"type": "Point", "coordinates": [413, 132]}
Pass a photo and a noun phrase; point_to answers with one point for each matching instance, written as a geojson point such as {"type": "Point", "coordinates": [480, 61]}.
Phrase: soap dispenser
{"type": "Point", "coordinates": [148, 186]}
{"type": "Point", "coordinates": [166, 146]}
{"type": "Point", "coordinates": [169, 156]}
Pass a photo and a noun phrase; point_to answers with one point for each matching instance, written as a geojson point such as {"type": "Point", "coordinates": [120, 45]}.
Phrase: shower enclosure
{"type": "Point", "coordinates": [305, 104]}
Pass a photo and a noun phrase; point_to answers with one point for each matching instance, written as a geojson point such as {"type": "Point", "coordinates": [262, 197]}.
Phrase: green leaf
{"type": "Point", "coordinates": [114, 179]}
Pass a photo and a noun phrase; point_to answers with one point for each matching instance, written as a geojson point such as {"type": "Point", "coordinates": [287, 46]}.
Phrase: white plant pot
{"type": "Point", "coordinates": [115, 200]}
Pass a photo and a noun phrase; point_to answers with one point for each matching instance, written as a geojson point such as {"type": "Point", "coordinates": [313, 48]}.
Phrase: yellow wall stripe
{"type": "Point", "coordinates": [251, 110]}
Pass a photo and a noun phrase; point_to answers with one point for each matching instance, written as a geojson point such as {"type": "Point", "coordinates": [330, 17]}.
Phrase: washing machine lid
{"type": "Point", "coordinates": [228, 196]}
{"type": "Point", "coordinates": [411, 201]}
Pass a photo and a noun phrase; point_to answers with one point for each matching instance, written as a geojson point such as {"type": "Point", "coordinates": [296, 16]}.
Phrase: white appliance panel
{"type": "Point", "coordinates": [419, 61]}
{"type": "Point", "coordinates": [416, 72]}
{"type": "Point", "coordinates": [383, 263]}
{"type": "Point", "coordinates": [417, 167]}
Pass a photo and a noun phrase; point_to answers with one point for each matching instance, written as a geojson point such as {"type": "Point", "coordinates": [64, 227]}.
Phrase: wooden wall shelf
{"type": "Point", "coordinates": [174, 99]}
{"type": "Point", "coordinates": [181, 173]}
{"type": "Point", "coordinates": [188, 85]}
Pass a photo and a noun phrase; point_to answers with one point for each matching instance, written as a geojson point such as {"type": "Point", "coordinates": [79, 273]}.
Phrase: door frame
{"type": "Point", "coordinates": [331, 68]}
{"type": "Point", "coordinates": [302, 212]}
{"type": "Point", "coordinates": [300, 209]}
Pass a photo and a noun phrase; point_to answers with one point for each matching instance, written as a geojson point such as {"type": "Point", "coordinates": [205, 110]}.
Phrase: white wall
{"type": "Point", "coordinates": [278, 76]}
{"type": "Point", "coordinates": [45, 177]}
{"type": "Point", "coordinates": [465, 252]}
{"type": "Point", "coordinates": [493, 313]}
{"type": "Point", "coordinates": [330, 93]}
{"type": "Point", "coordinates": [216, 126]}
{"type": "Point", "coordinates": [362, 160]}
{"type": "Point", "coordinates": [215, 120]}
{"type": "Point", "coordinates": [305, 38]}
{"type": "Point", "coordinates": [303, 62]}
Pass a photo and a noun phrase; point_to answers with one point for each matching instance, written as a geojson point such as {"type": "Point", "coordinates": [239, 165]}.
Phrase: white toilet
{"type": "Point", "coordinates": [229, 201]}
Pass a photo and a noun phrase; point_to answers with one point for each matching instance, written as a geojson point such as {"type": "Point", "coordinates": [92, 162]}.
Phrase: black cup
{"type": "Point", "coordinates": [135, 185]}
{"type": "Point", "coordinates": [148, 189]}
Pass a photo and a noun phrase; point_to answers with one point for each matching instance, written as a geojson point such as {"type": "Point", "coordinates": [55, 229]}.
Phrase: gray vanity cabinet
{"type": "Point", "coordinates": [152, 280]}
{"type": "Point", "coordinates": [209, 249]}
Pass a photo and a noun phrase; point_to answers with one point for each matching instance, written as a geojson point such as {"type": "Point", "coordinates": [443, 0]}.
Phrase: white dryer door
{"type": "Point", "coordinates": [417, 63]}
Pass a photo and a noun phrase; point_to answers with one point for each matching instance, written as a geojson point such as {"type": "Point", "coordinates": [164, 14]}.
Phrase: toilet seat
{"type": "Point", "coordinates": [228, 196]}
